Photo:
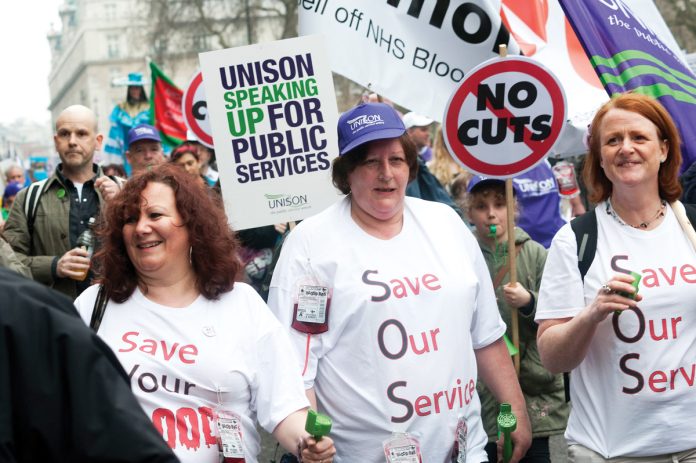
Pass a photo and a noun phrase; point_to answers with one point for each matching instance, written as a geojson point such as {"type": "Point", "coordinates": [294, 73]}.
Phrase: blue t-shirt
{"type": "Point", "coordinates": [539, 200]}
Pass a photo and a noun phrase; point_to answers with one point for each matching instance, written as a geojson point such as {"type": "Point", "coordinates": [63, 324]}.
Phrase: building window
{"type": "Point", "coordinates": [112, 46]}
{"type": "Point", "coordinates": [161, 45]}
{"type": "Point", "coordinates": [110, 11]}
{"type": "Point", "coordinates": [114, 73]}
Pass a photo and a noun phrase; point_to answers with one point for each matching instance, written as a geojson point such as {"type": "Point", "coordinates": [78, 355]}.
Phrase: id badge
{"type": "Point", "coordinates": [312, 302]}
{"type": "Point", "coordinates": [402, 448]}
{"type": "Point", "coordinates": [311, 309]}
{"type": "Point", "coordinates": [229, 438]}
{"type": "Point", "coordinates": [459, 451]}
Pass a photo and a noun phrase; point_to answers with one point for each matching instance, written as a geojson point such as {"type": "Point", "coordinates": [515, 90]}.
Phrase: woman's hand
{"type": "Point", "coordinates": [319, 451]}
{"type": "Point", "coordinates": [521, 439]}
{"type": "Point", "coordinates": [608, 300]}
{"type": "Point", "coordinates": [291, 434]}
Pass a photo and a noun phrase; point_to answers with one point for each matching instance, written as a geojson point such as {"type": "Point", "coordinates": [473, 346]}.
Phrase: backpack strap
{"type": "Point", "coordinates": [31, 204]}
{"type": "Point", "coordinates": [99, 309]}
{"type": "Point", "coordinates": [585, 229]}
{"type": "Point", "coordinates": [690, 212]}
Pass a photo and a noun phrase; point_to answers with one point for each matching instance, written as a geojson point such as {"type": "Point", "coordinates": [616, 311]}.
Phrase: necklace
{"type": "Point", "coordinates": [643, 225]}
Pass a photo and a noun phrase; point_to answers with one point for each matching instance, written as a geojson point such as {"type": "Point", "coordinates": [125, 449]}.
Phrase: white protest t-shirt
{"type": "Point", "coordinates": [404, 318]}
{"type": "Point", "coordinates": [633, 394]}
{"type": "Point", "coordinates": [179, 358]}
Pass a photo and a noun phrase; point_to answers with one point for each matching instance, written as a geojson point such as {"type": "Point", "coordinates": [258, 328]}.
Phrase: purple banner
{"type": "Point", "coordinates": [628, 55]}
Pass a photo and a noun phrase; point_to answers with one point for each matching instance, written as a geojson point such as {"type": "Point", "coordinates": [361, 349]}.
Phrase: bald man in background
{"type": "Point", "coordinates": [46, 240]}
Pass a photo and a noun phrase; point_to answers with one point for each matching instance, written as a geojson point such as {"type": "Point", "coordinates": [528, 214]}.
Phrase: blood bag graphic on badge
{"type": "Point", "coordinates": [459, 450]}
{"type": "Point", "coordinates": [312, 304]}
{"type": "Point", "coordinates": [402, 447]}
{"type": "Point", "coordinates": [229, 436]}
{"type": "Point", "coordinates": [564, 172]}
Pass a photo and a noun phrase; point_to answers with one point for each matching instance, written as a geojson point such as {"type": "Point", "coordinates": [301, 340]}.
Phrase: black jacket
{"type": "Point", "coordinates": [688, 181]}
{"type": "Point", "coordinates": [64, 397]}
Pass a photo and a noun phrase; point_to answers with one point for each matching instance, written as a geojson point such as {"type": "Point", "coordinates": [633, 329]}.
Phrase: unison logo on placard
{"type": "Point", "coordinates": [363, 121]}
{"type": "Point", "coordinates": [282, 201]}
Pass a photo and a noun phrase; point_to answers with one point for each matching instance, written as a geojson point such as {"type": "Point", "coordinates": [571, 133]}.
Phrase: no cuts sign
{"type": "Point", "coordinates": [195, 110]}
{"type": "Point", "coordinates": [504, 117]}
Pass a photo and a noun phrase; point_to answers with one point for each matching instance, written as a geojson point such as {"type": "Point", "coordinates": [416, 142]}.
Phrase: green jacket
{"type": "Point", "coordinates": [543, 391]}
{"type": "Point", "coordinates": [9, 260]}
{"type": "Point", "coordinates": [51, 236]}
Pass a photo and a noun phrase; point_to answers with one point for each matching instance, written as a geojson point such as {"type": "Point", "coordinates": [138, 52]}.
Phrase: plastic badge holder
{"type": "Point", "coordinates": [564, 172]}
{"type": "Point", "coordinates": [312, 303]}
{"type": "Point", "coordinates": [402, 447]}
{"type": "Point", "coordinates": [459, 449]}
{"type": "Point", "coordinates": [230, 440]}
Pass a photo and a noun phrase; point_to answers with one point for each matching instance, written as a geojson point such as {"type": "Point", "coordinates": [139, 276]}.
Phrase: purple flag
{"type": "Point", "coordinates": [627, 55]}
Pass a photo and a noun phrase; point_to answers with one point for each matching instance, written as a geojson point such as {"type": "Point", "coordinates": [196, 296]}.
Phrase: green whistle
{"type": "Point", "coordinates": [317, 425]}
{"type": "Point", "coordinates": [507, 423]}
{"type": "Point", "coordinates": [636, 282]}
{"type": "Point", "coordinates": [492, 229]}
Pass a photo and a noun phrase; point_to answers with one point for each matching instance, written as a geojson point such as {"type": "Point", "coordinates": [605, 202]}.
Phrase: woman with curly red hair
{"type": "Point", "coordinates": [203, 353]}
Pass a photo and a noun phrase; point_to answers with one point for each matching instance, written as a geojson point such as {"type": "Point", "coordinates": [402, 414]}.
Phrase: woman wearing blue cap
{"type": "Point", "coordinates": [392, 311]}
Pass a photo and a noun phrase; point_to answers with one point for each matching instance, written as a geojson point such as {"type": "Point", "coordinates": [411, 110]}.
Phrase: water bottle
{"type": "Point", "coordinates": [86, 242]}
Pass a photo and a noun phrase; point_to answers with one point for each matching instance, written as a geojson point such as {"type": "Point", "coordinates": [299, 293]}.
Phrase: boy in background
{"type": "Point", "coordinates": [483, 202]}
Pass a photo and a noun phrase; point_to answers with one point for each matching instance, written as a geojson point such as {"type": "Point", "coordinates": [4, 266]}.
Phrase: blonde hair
{"type": "Point", "coordinates": [443, 167]}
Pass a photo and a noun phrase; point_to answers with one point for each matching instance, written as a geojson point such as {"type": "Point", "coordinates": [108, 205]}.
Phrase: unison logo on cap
{"type": "Point", "coordinates": [143, 130]}
{"type": "Point", "coordinates": [366, 120]}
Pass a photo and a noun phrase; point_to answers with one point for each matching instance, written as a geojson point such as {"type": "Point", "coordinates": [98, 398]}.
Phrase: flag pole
{"type": "Point", "coordinates": [510, 203]}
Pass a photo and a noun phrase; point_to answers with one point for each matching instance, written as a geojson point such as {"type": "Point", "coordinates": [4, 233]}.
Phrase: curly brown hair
{"type": "Point", "coordinates": [344, 165]}
{"type": "Point", "coordinates": [668, 176]}
{"type": "Point", "coordinates": [213, 243]}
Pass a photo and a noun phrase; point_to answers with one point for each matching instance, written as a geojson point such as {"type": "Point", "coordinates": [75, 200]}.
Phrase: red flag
{"type": "Point", "coordinates": [165, 108]}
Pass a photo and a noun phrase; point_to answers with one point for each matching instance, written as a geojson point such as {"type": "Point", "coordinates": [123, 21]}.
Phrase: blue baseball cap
{"type": "Point", "coordinates": [481, 181]}
{"type": "Point", "coordinates": [12, 189]}
{"type": "Point", "coordinates": [143, 132]}
{"type": "Point", "coordinates": [367, 122]}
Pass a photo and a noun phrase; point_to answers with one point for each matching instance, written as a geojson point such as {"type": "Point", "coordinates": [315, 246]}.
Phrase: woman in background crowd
{"type": "Point", "coordinates": [186, 157]}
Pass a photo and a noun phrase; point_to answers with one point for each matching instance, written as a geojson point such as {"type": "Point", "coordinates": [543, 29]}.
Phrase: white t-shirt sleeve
{"type": "Point", "coordinates": [561, 293]}
{"type": "Point", "coordinates": [278, 390]}
{"type": "Point", "coordinates": [85, 303]}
